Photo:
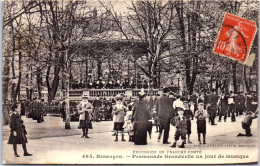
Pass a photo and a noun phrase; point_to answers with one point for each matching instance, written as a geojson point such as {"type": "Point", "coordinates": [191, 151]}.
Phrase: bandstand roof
{"type": "Point", "coordinates": [135, 46]}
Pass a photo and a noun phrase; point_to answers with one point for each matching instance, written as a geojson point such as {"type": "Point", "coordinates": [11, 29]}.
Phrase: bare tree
{"type": "Point", "coordinates": [147, 24]}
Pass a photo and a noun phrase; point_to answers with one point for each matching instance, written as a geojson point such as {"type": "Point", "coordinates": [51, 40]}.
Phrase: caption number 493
{"type": "Point", "coordinates": [87, 156]}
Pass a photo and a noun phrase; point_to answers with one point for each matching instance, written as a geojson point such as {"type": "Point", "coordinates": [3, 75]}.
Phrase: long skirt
{"type": "Point", "coordinates": [140, 134]}
{"type": "Point", "coordinates": [20, 138]}
{"type": "Point", "coordinates": [201, 126]}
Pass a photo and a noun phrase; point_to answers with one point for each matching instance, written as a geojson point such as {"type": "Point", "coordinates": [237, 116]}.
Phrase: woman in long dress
{"type": "Point", "coordinates": [141, 119]}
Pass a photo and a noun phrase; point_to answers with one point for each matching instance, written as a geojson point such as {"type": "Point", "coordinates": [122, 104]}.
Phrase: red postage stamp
{"type": "Point", "coordinates": [235, 37]}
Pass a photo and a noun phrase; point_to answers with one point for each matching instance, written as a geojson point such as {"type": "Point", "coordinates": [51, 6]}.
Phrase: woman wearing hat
{"type": "Point", "coordinates": [119, 111]}
{"type": "Point", "coordinates": [141, 119]}
{"type": "Point", "coordinates": [18, 132]}
{"type": "Point", "coordinates": [85, 108]}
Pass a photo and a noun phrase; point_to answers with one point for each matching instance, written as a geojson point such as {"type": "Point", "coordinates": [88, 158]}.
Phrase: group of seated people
{"type": "Point", "coordinates": [110, 85]}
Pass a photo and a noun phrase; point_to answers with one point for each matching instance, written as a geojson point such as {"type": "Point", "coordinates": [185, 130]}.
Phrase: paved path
{"type": "Point", "coordinates": [51, 143]}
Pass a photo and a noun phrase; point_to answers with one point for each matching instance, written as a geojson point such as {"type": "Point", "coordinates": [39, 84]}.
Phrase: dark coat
{"type": "Point", "coordinates": [27, 103]}
{"type": "Point", "coordinates": [249, 105]}
{"type": "Point", "coordinates": [141, 124]}
{"type": "Point", "coordinates": [211, 99]}
{"type": "Point", "coordinates": [224, 104]}
{"type": "Point", "coordinates": [194, 99]}
{"type": "Point", "coordinates": [141, 112]}
{"type": "Point", "coordinates": [97, 103]}
{"type": "Point", "coordinates": [16, 125]}
{"type": "Point", "coordinates": [23, 108]}
{"type": "Point", "coordinates": [165, 110]}
{"type": "Point", "coordinates": [36, 106]}
{"type": "Point", "coordinates": [188, 114]}
{"type": "Point", "coordinates": [181, 124]}
{"type": "Point", "coordinates": [240, 101]}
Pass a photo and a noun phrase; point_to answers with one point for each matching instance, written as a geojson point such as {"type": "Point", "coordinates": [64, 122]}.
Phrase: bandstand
{"type": "Point", "coordinates": [76, 95]}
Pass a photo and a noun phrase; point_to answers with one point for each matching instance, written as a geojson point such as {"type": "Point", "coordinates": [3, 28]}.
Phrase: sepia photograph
{"type": "Point", "coordinates": [130, 81]}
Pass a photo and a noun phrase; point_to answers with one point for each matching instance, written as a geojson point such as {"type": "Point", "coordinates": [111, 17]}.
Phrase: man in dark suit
{"type": "Point", "coordinates": [97, 104]}
{"type": "Point", "coordinates": [240, 103]}
{"type": "Point", "coordinates": [39, 114]}
{"type": "Point", "coordinates": [223, 105]}
{"type": "Point", "coordinates": [165, 113]}
{"type": "Point", "coordinates": [211, 101]}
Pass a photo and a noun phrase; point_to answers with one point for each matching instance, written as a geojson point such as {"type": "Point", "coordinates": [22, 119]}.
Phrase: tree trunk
{"type": "Point", "coordinates": [158, 81]}
{"type": "Point", "coordinates": [153, 75]}
{"type": "Point", "coordinates": [190, 79]}
{"type": "Point", "coordinates": [71, 77]}
{"type": "Point", "coordinates": [67, 83]}
{"type": "Point", "coordinates": [99, 69]}
{"type": "Point", "coordinates": [6, 79]}
{"type": "Point", "coordinates": [27, 93]}
{"type": "Point", "coordinates": [249, 79]}
{"type": "Point", "coordinates": [194, 75]}
{"type": "Point", "coordinates": [39, 83]}
{"type": "Point", "coordinates": [234, 66]}
{"type": "Point", "coordinates": [17, 91]}
{"type": "Point", "coordinates": [211, 83]}
{"type": "Point", "coordinates": [55, 83]}
{"type": "Point", "coordinates": [12, 67]}
{"type": "Point", "coordinates": [217, 85]}
{"type": "Point", "coordinates": [86, 80]}
{"type": "Point", "coordinates": [247, 82]}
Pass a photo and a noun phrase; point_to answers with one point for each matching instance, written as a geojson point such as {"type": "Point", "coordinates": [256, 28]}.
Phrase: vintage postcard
{"type": "Point", "coordinates": [130, 82]}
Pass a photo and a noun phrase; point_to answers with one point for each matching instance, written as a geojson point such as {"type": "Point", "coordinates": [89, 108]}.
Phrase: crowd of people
{"type": "Point", "coordinates": [138, 116]}
{"type": "Point", "coordinates": [34, 109]}
{"type": "Point", "coordinates": [99, 84]}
